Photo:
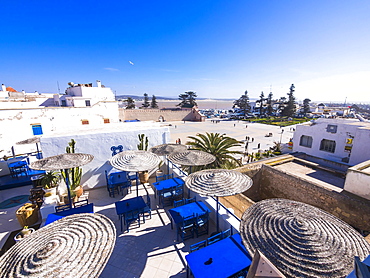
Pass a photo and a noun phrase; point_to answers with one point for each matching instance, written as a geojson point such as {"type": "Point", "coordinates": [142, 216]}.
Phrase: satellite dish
{"type": "Point", "coordinates": [71, 84]}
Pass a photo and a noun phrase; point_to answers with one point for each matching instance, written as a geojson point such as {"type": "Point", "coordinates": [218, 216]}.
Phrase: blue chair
{"type": "Point", "coordinates": [112, 188]}
{"type": "Point", "coordinates": [186, 228]}
{"type": "Point", "coordinates": [202, 224]}
{"type": "Point", "coordinates": [192, 200]}
{"type": "Point", "coordinates": [179, 203]}
{"type": "Point", "coordinates": [227, 233]}
{"type": "Point", "coordinates": [131, 217]}
{"type": "Point", "coordinates": [163, 177]}
{"type": "Point", "coordinates": [166, 196]}
{"type": "Point", "coordinates": [214, 239]}
{"type": "Point", "coordinates": [178, 193]}
{"type": "Point", "coordinates": [147, 208]}
{"type": "Point", "coordinates": [197, 246]}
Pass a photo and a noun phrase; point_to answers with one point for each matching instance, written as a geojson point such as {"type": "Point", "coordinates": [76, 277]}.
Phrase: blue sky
{"type": "Point", "coordinates": [217, 48]}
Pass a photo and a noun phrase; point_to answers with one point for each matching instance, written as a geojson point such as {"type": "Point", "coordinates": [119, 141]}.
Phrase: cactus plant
{"type": "Point", "coordinates": [74, 174]}
{"type": "Point", "coordinates": [143, 145]}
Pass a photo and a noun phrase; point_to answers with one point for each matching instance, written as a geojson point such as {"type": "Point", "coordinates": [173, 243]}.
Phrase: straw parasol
{"type": "Point", "coordinates": [192, 158]}
{"type": "Point", "coordinates": [301, 240]}
{"type": "Point", "coordinates": [33, 140]}
{"type": "Point", "coordinates": [75, 246]}
{"type": "Point", "coordinates": [135, 161]}
{"type": "Point", "coordinates": [218, 183]}
{"type": "Point", "coordinates": [167, 149]}
{"type": "Point", "coordinates": [63, 161]}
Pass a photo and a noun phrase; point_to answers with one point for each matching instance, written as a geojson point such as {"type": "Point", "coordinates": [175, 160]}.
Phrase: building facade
{"type": "Point", "coordinates": [340, 140]}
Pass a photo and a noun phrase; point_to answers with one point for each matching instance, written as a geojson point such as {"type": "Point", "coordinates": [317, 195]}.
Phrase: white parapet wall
{"type": "Point", "coordinates": [358, 180]}
{"type": "Point", "coordinates": [99, 141]}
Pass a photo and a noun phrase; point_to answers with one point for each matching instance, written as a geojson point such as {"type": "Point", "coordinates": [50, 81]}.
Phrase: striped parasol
{"type": "Point", "coordinates": [135, 161]}
{"type": "Point", "coordinates": [302, 240]}
{"type": "Point", "coordinates": [167, 149]}
{"type": "Point", "coordinates": [75, 246]}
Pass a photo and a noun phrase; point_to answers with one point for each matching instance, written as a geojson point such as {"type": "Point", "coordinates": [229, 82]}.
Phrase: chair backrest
{"type": "Point", "coordinates": [116, 150]}
{"type": "Point", "coordinates": [148, 200]}
{"type": "Point", "coordinates": [191, 200]}
{"type": "Point", "coordinates": [81, 203]}
{"type": "Point", "coordinates": [63, 208]}
{"type": "Point", "coordinates": [188, 221]}
{"type": "Point", "coordinates": [179, 189]}
{"type": "Point", "coordinates": [179, 203]}
{"type": "Point", "coordinates": [163, 177]}
{"type": "Point", "coordinates": [226, 233]}
{"type": "Point", "coordinates": [118, 177]}
{"type": "Point", "coordinates": [214, 239]}
{"type": "Point", "coordinates": [203, 218]}
{"type": "Point", "coordinates": [198, 245]}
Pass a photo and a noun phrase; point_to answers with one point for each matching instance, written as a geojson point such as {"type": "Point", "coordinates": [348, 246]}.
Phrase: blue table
{"type": "Point", "coordinates": [129, 205]}
{"type": "Point", "coordinates": [196, 208]}
{"type": "Point", "coordinates": [58, 215]}
{"type": "Point", "coordinates": [366, 262]}
{"type": "Point", "coordinates": [221, 259]}
{"type": "Point", "coordinates": [166, 184]}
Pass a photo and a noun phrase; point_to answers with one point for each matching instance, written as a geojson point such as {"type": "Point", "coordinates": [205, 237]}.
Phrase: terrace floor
{"type": "Point", "coordinates": [147, 251]}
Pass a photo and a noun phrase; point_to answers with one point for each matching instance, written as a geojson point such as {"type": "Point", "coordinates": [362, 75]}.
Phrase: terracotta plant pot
{"type": "Point", "coordinates": [78, 191]}
{"type": "Point", "coordinates": [144, 177]}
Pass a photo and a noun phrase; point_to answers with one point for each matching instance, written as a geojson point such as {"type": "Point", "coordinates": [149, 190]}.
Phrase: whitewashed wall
{"type": "Point", "coordinates": [358, 180]}
{"type": "Point", "coordinates": [345, 128]}
{"type": "Point", "coordinates": [98, 143]}
{"type": "Point", "coordinates": [16, 124]}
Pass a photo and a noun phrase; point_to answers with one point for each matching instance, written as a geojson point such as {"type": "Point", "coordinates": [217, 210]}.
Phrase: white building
{"type": "Point", "coordinates": [92, 107]}
{"type": "Point", "coordinates": [340, 140]}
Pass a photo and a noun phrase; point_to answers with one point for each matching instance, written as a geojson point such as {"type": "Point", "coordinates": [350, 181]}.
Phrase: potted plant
{"type": "Point", "coordinates": [74, 174]}
{"type": "Point", "coordinates": [143, 146]}
{"type": "Point", "coordinates": [50, 181]}
{"type": "Point", "coordinates": [25, 232]}
{"type": "Point", "coordinates": [159, 171]}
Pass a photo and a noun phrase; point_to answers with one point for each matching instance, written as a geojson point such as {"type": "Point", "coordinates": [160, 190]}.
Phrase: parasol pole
{"type": "Point", "coordinates": [67, 184]}
{"type": "Point", "coordinates": [217, 208]}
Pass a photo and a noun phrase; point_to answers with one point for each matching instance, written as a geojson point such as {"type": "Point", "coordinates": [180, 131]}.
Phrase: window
{"type": "Point", "coordinates": [327, 145]}
{"type": "Point", "coordinates": [85, 122]}
{"type": "Point", "coordinates": [106, 121]}
{"type": "Point", "coordinates": [306, 141]}
{"type": "Point", "coordinates": [87, 102]}
{"type": "Point", "coordinates": [331, 128]}
{"type": "Point", "coordinates": [37, 129]}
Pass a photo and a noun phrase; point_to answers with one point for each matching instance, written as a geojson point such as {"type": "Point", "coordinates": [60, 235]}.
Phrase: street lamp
{"type": "Point", "coordinates": [281, 134]}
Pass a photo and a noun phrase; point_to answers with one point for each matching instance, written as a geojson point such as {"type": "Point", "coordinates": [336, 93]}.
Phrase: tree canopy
{"type": "Point", "coordinates": [243, 103]}
{"type": "Point", "coordinates": [154, 103]}
{"type": "Point", "coordinates": [219, 145]}
{"type": "Point", "coordinates": [146, 103]}
{"type": "Point", "coordinates": [290, 108]}
{"type": "Point", "coordinates": [130, 103]}
{"type": "Point", "coordinates": [306, 106]}
{"type": "Point", "coordinates": [187, 100]}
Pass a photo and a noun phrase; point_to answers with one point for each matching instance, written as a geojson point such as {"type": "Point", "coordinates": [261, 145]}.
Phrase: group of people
{"type": "Point", "coordinates": [178, 141]}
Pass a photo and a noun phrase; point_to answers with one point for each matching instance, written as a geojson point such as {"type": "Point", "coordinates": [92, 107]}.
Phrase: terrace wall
{"type": "Point", "coordinates": [160, 115]}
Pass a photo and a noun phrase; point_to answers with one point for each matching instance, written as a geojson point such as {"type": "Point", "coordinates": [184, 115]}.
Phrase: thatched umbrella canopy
{"type": "Point", "coordinates": [302, 240]}
{"type": "Point", "coordinates": [192, 158]}
{"type": "Point", "coordinates": [32, 140]}
{"type": "Point", "coordinates": [75, 246]}
{"type": "Point", "coordinates": [167, 149]}
{"type": "Point", "coordinates": [64, 162]}
{"type": "Point", "coordinates": [218, 183]}
{"type": "Point", "coordinates": [135, 161]}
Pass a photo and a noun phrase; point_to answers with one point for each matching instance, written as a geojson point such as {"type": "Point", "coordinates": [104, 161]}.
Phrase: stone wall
{"type": "Point", "coordinates": [157, 115]}
{"type": "Point", "coordinates": [239, 203]}
{"type": "Point", "coordinates": [350, 208]}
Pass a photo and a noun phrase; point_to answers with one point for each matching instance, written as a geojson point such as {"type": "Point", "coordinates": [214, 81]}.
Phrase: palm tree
{"type": "Point", "coordinates": [219, 145]}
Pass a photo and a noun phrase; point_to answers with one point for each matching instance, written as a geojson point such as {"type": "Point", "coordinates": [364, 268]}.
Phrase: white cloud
{"type": "Point", "coordinates": [131, 62]}
{"type": "Point", "coordinates": [111, 69]}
